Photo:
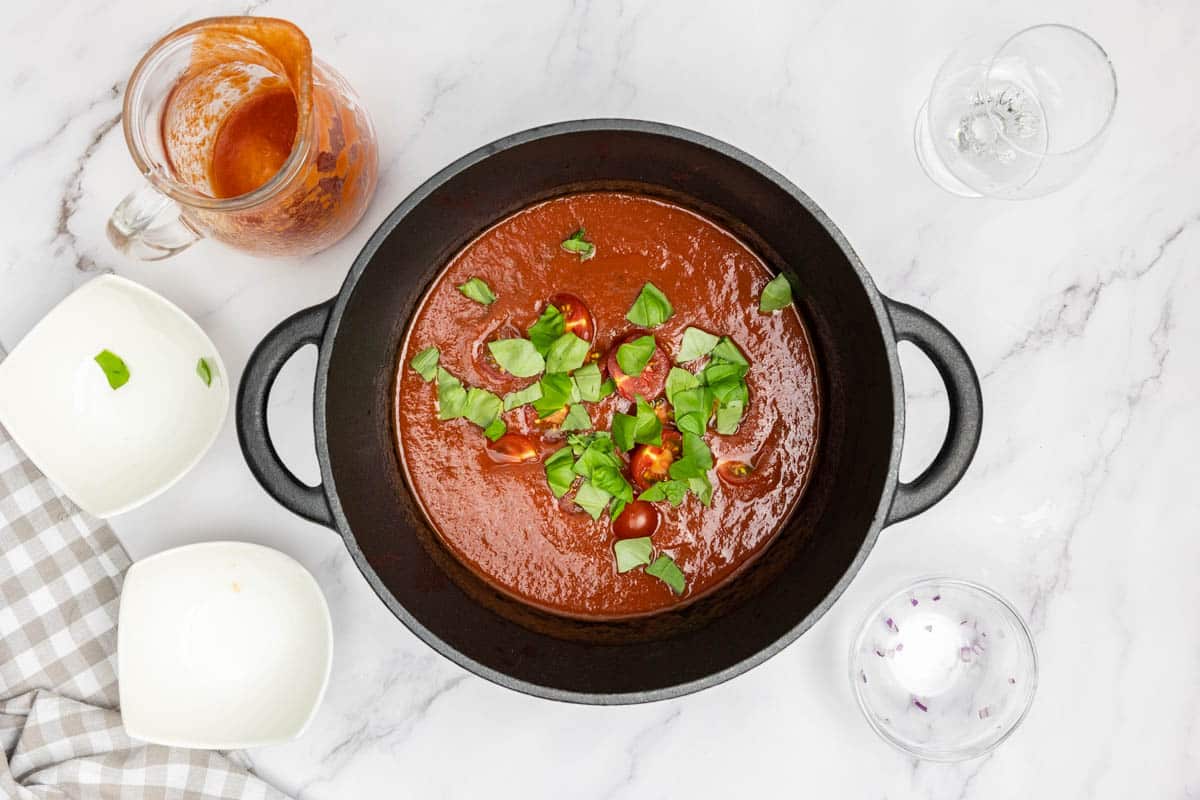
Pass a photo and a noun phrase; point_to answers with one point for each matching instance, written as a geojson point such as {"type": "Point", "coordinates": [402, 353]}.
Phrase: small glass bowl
{"type": "Point", "coordinates": [944, 669]}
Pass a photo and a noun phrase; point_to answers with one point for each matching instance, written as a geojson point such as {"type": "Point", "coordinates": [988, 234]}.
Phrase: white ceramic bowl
{"type": "Point", "coordinates": [221, 645]}
{"type": "Point", "coordinates": [107, 449]}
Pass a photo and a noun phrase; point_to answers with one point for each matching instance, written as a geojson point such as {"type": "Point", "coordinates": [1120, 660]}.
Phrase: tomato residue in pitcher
{"type": "Point", "coordinates": [253, 142]}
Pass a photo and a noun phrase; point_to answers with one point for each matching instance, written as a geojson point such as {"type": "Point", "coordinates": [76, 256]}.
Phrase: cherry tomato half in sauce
{"type": "Point", "coordinates": [638, 519]}
{"type": "Point", "coordinates": [735, 473]}
{"type": "Point", "coordinates": [653, 379]}
{"type": "Point", "coordinates": [512, 448]}
{"type": "Point", "coordinates": [576, 317]}
{"type": "Point", "coordinates": [651, 464]}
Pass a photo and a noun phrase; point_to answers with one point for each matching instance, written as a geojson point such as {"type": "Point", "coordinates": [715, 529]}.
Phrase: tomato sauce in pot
{"type": "Point", "coordinates": [491, 504]}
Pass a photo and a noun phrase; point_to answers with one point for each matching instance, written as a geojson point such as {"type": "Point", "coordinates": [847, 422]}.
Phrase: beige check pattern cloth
{"type": "Point", "coordinates": [60, 732]}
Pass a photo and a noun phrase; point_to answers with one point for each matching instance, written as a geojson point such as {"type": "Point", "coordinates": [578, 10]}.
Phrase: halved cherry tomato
{"type": "Point", "coordinates": [576, 317]}
{"type": "Point", "coordinates": [531, 422]}
{"type": "Point", "coordinates": [512, 448]}
{"type": "Point", "coordinates": [653, 378]}
{"type": "Point", "coordinates": [638, 519]}
{"type": "Point", "coordinates": [735, 473]}
{"type": "Point", "coordinates": [484, 361]}
{"type": "Point", "coordinates": [651, 464]}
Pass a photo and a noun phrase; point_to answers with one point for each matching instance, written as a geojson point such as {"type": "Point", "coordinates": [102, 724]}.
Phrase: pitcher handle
{"type": "Point", "coordinates": [149, 225]}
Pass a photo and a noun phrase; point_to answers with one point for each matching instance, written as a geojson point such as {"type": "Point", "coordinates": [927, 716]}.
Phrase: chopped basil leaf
{"type": "Point", "coordinates": [560, 471]}
{"type": "Point", "coordinates": [696, 461]}
{"type": "Point", "coordinates": [483, 407]}
{"type": "Point", "coordinates": [424, 363]}
{"type": "Point", "coordinates": [632, 357]}
{"type": "Point", "coordinates": [517, 357]}
{"type": "Point", "coordinates": [776, 295]}
{"type": "Point", "coordinates": [556, 393]}
{"type": "Point", "coordinates": [729, 416]}
{"type": "Point", "coordinates": [720, 371]}
{"type": "Point", "coordinates": [575, 244]}
{"type": "Point", "coordinates": [696, 343]}
{"type": "Point", "coordinates": [566, 353]}
{"type": "Point", "coordinates": [694, 401]}
{"type": "Point", "coordinates": [497, 429]}
{"type": "Point", "coordinates": [547, 329]}
{"type": "Point", "coordinates": [727, 351]}
{"type": "Point", "coordinates": [522, 396]}
{"type": "Point", "coordinates": [648, 427]}
{"type": "Point", "coordinates": [598, 453]}
{"type": "Point", "coordinates": [672, 490]}
{"type": "Point", "coordinates": [478, 291]}
{"type": "Point", "coordinates": [608, 387]}
{"type": "Point", "coordinates": [651, 307]}
{"type": "Point", "coordinates": [591, 499]}
{"type": "Point", "coordinates": [577, 419]}
{"type": "Point", "coordinates": [632, 553]}
{"type": "Point", "coordinates": [730, 391]}
{"type": "Point", "coordinates": [702, 488]}
{"type": "Point", "coordinates": [452, 397]}
{"type": "Point", "coordinates": [615, 508]}
{"type": "Point", "coordinates": [580, 442]}
{"type": "Point", "coordinates": [610, 479]}
{"type": "Point", "coordinates": [666, 570]}
{"type": "Point", "coordinates": [205, 371]}
{"type": "Point", "coordinates": [114, 368]}
{"type": "Point", "coordinates": [623, 431]}
{"type": "Point", "coordinates": [575, 396]}
{"type": "Point", "coordinates": [693, 422]}
{"type": "Point", "coordinates": [587, 381]}
{"type": "Point", "coordinates": [679, 380]}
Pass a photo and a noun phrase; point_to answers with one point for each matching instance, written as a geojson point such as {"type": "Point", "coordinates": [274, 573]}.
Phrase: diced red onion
{"type": "Point", "coordinates": [920, 705]}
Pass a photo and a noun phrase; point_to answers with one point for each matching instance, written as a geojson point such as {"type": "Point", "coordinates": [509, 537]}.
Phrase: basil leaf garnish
{"type": "Point", "coordinates": [497, 429]}
{"type": "Point", "coordinates": [592, 499]}
{"type": "Point", "coordinates": [522, 396]}
{"type": "Point", "coordinates": [702, 488]}
{"type": "Point", "coordinates": [720, 371]}
{"type": "Point", "coordinates": [693, 422]}
{"type": "Point", "coordinates": [452, 397]}
{"type": "Point", "coordinates": [679, 380]}
{"type": "Point", "coordinates": [632, 553]}
{"type": "Point", "coordinates": [615, 508]}
{"type": "Point", "coordinates": [114, 368]}
{"type": "Point", "coordinates": [776, 295]}
{"type": "Point", "coordinates": [556, 393]}
{"type": "Point", "coordinates": [694, 401]}
{"type": "Point", "coordinates": [696, 460]}
{"type": "Point", "coordinates": [478, 291]}
{"type": "Point", "coordinates": [671, 490]}
{"type": "Point", "coordinates": [547, 329]}
{"type": "Point", "coordinates": [483, 407]}
{"type": "Point", "coordinates": [610, 479]}
{"type": "Point", "coordinates": [727, 351]}
{"type": "Point", "coordinates": [205, 371]}
{"type": "Point", "coordinates": [560, 471]}
{"type": "Point", "coordinates": [651, 307]}
{"type": "Point", "coordinates": [666, 570]}
{"type": "Point", "coordinates": [577, 419]}
{"type": "Point", "coordinates": [598, 453]}
{"type": "Point", "coordinates": [633, 356]}
{"type": "Point", "coordinates": [608, 387]}
{"type": "Point", "coordinates": [647, 425]}
{"type": "Point", "coordinates": [587, 381]}
{"type": "Point", "coordinates": [729, 416]}
{"type": "Point", "coordinates": [624, 429]}
{"type": "Point", "coordinates": [517, 357]}
{"type": "Point", "coordinates": [425, 363]}
{"type": "Point", "coordinates": [696, 343]}
{"type": "Point", "coordinates": [576, 244]}
{"type": "Point", "coordinates": [566, 353]}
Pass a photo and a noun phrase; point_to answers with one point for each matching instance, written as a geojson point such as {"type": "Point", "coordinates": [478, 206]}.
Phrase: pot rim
{"type": "Point", "coordinates": [419, 195]}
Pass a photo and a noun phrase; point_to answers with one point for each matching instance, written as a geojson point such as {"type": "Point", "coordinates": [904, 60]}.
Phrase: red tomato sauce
{"type": "Point", "coordinates": [498, 516]}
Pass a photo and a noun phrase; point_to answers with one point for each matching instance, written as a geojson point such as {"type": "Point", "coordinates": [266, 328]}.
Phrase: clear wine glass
{"type": "Point", "coordinates": [1016, 116]}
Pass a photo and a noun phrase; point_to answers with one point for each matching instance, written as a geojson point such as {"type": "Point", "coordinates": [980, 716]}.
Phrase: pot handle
{"type": "Point", "coordinates": [966, 410]}
{"type": "Point", "coordinates": [304, 327]}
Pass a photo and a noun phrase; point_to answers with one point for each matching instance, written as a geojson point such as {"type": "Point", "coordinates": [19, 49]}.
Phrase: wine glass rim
{"type": "Point", "coordinates": [1112, 104]}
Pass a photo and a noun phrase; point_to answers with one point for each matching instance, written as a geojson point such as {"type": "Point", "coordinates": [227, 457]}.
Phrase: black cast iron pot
{"type": "Point", "coordinates": [854, 493]}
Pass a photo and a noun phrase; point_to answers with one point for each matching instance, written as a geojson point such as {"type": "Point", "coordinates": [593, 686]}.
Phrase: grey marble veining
{"type": "Point", "coordinates": [1081, 310]}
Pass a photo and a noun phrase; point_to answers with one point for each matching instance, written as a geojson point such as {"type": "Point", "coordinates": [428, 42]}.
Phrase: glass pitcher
{"type": "Point", "coordinates": [243, 137]}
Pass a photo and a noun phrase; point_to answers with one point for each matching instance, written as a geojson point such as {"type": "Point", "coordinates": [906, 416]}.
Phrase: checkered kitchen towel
{"type": "Point", "coordinates": [60, 735]}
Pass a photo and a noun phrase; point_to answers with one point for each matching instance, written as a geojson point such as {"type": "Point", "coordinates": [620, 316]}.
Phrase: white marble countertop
{"type": "Point", "coordinates": [1081, 311]}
